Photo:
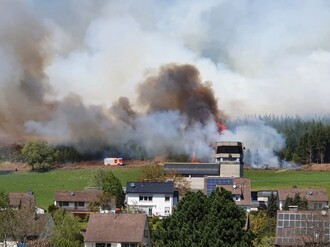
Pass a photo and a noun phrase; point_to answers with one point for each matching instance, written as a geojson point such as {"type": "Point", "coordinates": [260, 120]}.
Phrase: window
{"type": "Point", "coordinates": [65, 204]}
{"type": "Point", "coordinates": [108, 245]}
{"type": "Point", "coordinates": [81, 204]}
{"type": "Point", "coordinates": [100, 245]}
{"type": "Point", "coordinates": [167, 198]}
{"type": "Point", "coordinates": [167, 210]}
{"type": "Point", "coordinates": [145, 198]}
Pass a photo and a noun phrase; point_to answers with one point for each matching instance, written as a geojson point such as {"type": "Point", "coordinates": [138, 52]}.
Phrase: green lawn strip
{"type": "Point", "coordinates": [45, 184]}
{"type": "Point", "coordinates": [271, 179]}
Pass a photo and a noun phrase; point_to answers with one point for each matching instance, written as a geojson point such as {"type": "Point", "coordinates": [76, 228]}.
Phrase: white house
{"type": "Point", "coordinates": [153, 198]}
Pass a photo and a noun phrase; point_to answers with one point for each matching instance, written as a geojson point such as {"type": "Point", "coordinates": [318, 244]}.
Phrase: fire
{"type": "Point", "coordinates": [193, 158]}
{"type": "Point", "coordinates": [221, 127]}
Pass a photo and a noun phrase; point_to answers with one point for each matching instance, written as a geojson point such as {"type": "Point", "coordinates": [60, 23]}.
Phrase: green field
{"type": "Point", "coordinates": [45, 184]}
{"type": "Point", "coordinates": [271, 179]}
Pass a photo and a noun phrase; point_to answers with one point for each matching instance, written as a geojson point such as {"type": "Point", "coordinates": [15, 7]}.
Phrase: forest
{"type": "Point", "coordinates": [307, 139]}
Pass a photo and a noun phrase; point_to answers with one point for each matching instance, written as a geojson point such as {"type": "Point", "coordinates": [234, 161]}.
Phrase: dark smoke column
{"type": "Point", "coordinates": [179, 87]}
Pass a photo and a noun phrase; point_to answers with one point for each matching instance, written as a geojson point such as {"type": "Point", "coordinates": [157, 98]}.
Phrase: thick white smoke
{"type": "Point", "coordinates": [261, 143]}
{"type": "Point", "coordinates": [65, 64]}
{"type": "Point", "coordinates": [260, 55]}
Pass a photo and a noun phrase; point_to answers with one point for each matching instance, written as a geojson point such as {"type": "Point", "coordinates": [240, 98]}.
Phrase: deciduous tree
{"type": "Point", "coordinates": [106, 181]}
{"type": "Point", "coordinates": [67, 230]}
{"type": "Point", "coordinates": [39, 155]}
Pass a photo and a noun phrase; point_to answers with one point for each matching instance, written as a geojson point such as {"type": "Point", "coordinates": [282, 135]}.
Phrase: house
{"type": "Point", "coordinates": [152, 198]}
{"type": "Point", "coordinates": [117, 230]}
{"type": "Point", "coordinates": [316, 198]}
{"type": "Point", "coordinates": [34, 228]}
{"type": "Point", "coordinates": [263, 197]}
{"type": "Point", "coordinates": [239, 187]}
{"type": "Point", "coordinates": [19, 200]}
{"type": "Point", "coordinates": [77, 202]}
{"type": "Point", "coordinates": [303, 228]}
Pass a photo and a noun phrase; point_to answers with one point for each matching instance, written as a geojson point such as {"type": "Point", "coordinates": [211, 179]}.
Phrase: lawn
{"type": "Point", "coordinates": [45, 184]}
{"type": "Point", "coordinates": [271, 179]}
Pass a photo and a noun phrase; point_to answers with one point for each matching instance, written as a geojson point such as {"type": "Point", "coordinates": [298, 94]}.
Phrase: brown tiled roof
{"type": "Point", "coordinates": [77, 196]}
{"type": "Point", "coordinates": [312, 195]}
{"type": "Point", "coordinates": [241, 186]}
{"type": "Point", "coordinates": [116, 228]}
{"type": "Point", "coordinates": [21, 199]}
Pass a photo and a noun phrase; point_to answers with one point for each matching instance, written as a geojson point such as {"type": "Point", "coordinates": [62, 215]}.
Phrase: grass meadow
{"type": "Point", "coordinates": [45, 184]}
{"type": "Point", "coordinates": [272, 179]}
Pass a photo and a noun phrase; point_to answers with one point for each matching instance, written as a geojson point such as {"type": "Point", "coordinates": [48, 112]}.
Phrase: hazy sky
{"type": "Point", "coordinates": [260, 56]}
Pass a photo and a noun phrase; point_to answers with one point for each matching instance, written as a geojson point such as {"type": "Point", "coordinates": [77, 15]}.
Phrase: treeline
{"type": "Point", "coordinates": [307, 139]}
{"type": "Point", "coordinates": [40, 154]}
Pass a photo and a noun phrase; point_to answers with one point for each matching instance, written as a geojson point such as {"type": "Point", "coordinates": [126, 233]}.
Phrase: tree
{"type": "Point", "coordinates": [39, 155]}
{"type": "Point", "coordinates": [156, 174]}
{"type": "Point", "coordinates": [272, 206]}
{"type": "Point", "coordinates": [19, 223]}
{"type": "Point", "coordinates": [110, 184]}
{"type": "Point", "coordinates": [152, 173]}
{"type": "Point", "coordinates": [297, 200]}
{"type": "Point", "coordinates": [67, 230]}
{"type": "Point", "coordinates": [204, 221]}
{"type": "Point", "coordinates": [263, 227]}
{"type": "Point", "coordinates": [104, 201]}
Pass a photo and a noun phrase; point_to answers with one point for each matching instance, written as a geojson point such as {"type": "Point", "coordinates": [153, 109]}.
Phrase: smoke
{"type": "Point", "coordinates": [23, 82]}
{"type": "Point", "coordinates": [181, 119]}
{"type": "Point", "coordinates": [253, 52]}
{"type": "Point", "coordinates": [180, 88]}
{"type": "Point", "coordinates": [90, 76]}
{"type": "Point", "coordinates": [262, 143]}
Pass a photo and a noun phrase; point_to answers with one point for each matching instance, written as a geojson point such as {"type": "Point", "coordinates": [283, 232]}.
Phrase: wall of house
{"type": "Point", "coordinates": [311, 205]}
{"type": "Point", "coordinates": [231, 170]}
{"type": "Point", "coordinates": [72, 206]}
{"type": "Point", "coordinates": [8, 244]}
{"type": "Point", "coordinates": [158, 203]}
{"type": "Point", "coordinates": [93, 244]}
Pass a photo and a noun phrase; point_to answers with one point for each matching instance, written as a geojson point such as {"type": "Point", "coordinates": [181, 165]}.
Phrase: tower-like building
{"type": "Point", "coordinates": [229, 156]}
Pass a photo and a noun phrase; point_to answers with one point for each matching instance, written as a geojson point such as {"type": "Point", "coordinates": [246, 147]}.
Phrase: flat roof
{"type": "Point", "coordinates": [203, 169]}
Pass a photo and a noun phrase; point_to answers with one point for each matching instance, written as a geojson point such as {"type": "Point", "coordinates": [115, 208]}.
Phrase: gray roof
{"type": "Point", "coordinates": [149, 187]}
{"type": "Point", "coordinates": [202, 169]}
